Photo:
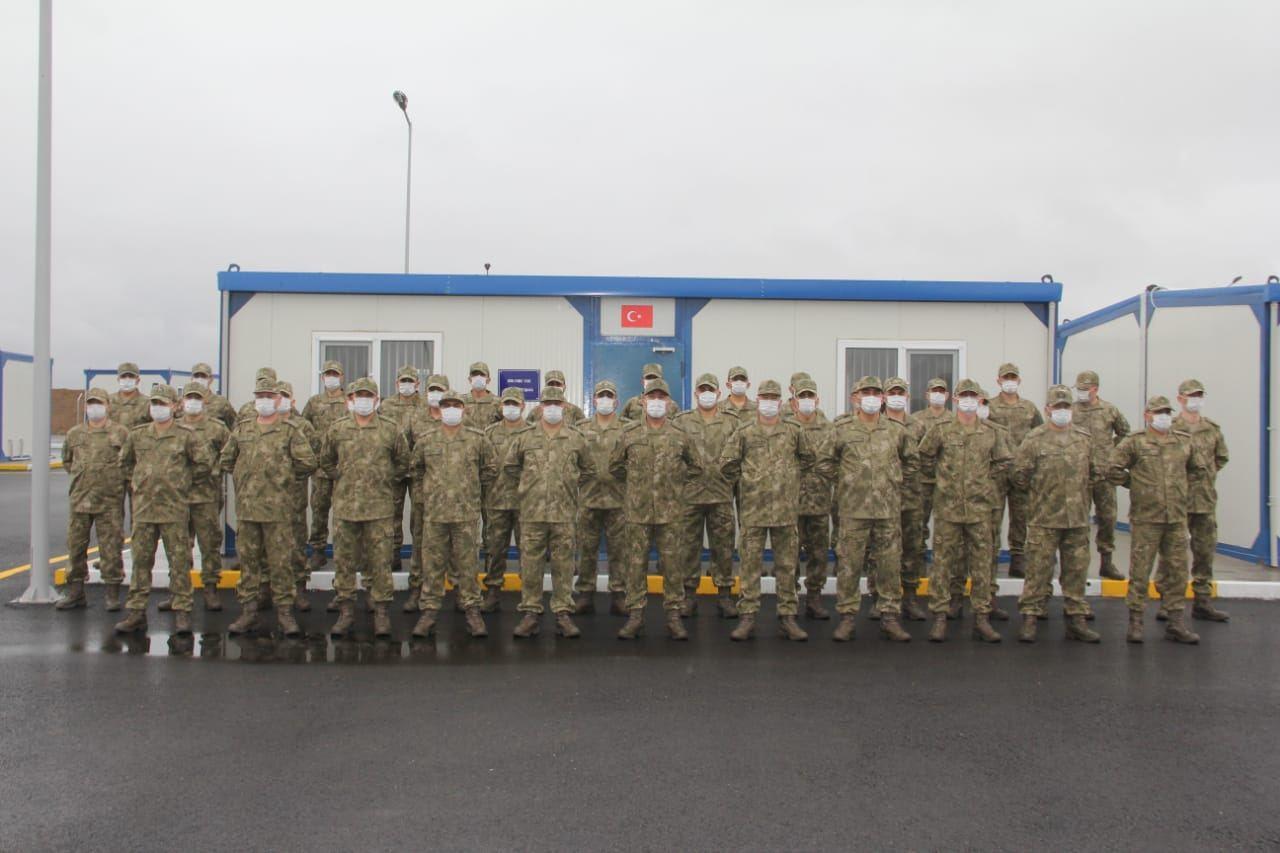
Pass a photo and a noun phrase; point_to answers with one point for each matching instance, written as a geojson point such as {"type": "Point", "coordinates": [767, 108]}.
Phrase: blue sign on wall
{"type": "Point", "coordinates": [525, 380]}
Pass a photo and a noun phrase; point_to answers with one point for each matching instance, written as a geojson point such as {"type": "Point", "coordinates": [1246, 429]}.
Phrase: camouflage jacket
{"type": "Point", "coordinates": [1104, 422]}
{"type": "Point", "coordinates": [453, 474]}
{"type": "Point", "coordinates": [482, 411]}
{"type": "Point", "coordinates": [911, 497]}
{"type": "Point", "coordinates": [966, 463]}
{"type": "Point", "coordinates": [1157, 471]}
{"type": "Point", "coordinates": [365, 462]}
{"type": "Point", "coordinates": [633, 409]}
{"type": "Point", "coordinates": [872, 465]}
{"type": "Point", "coordinates": [573, 414]}
{"type": "Point", "coordinates": [920, 423]}
{"type": "Point", "coordinates": [746, 413]}
{"type": "Point", "coordinates": [92, 458]}
{"type": "Point", "coordinates": [504, 494]}
{"type": "Point", "coordinates": [1057, 468]}
{"type": "Point", "coordinates": [313, 438]}
{"type": "Point", "coordinates": [129, 412]}
{"type": "Point", "coordinates": [1001, 475]}
{"type": "Point", "coordinates": [265, 462]}
{"type": "Point", "coordinates": [161, 466]}
{"type": "Point", "coordinates": [1206, 438]}
{"type": "Point", "coordinates": [602, 491]}
{"type": "Point", "coordinates": [551, 468]}
{"type": "Point", "coordinates": [816, 491]}
{"type": "Point", "coordinates": [766, 463]}
{"type": "Point", "coordinates": [708, 439]}
{"type": "Point", "coordinates": [220, 409]}
{"type": "Point", "coordinates": [206, 487]}
{"type": "Point", "coordinates": [323, 411]}
{"type": "Point", "coordinates": [1019, 418]}
{"type": "Point", "coordinates": [402, 409]}
{"type": "Point", "coordinates": [655, 464]}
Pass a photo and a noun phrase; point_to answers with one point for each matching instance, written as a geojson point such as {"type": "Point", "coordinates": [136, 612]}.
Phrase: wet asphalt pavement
{"type": "Point", "coordinates": [218, 743]}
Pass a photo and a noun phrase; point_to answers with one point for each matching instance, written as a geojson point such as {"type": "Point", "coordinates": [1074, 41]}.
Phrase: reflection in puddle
{"type": "Point", "coordinates": [272, 648]}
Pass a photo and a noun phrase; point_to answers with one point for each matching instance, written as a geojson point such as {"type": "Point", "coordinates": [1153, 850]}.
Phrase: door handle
{"type": "Point", "coordinates": [664, 350]}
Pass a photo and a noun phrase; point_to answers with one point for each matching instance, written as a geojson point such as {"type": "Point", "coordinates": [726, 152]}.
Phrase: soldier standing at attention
{"type": "Point", "coordinates": [267, 457]}
{"type": "Point", "coordinates": [766, 458]}
{"type": "Point", "coordinates": [708, 498]}
{"type": "Point", "coordinates": [1156, 466]}
{"type": "Point", "coordinates": [216, 406]}
{"type": "Point", "coordinates": [573, 414]}
{"type": "Point", "coordinates": [551, 462]}
{"type": "Point", "coordinates": [895, 412]}
{"type": "Point", "coordinates": [600, 520]}
{"type": "Point", "coordinates": [322, 410]}
{"type": "Point", "coordinates": [966, 457]}
{"type": "Point", "coordinates": [481, 403]}
{"type": "Point", "coordinates": [91, 456]}
{"type": "Point", "coordinates": [1055, 468]}
{"type": "Point", "coordinates": [204, 500]}
{"type": "Point", "coordinates": [298, 502]}
{"type": "Point", "coordinates": [635, 407]}
{"type": "Point", "coordinates": [161, 458]}
{"type": "Point", "coordinates": [129, 406]}
{"type": "Point", "coordinates": [364, 455]}
{"type": "Point", "coordinates": [402, 408]}
{"type": "Point", "coordinates": [959, 572]}
{"type": "Point", "coordinates": [655, 460]}
{"type": "Point", "coordinates": [737, 403]}
{"type": "Point", "coordinates": [1019, 416]}
{"type": "Point", "coordinates": [455, 466]}
{"type": "Point", "coordinates": [248, 410]}
{"type": "Point", "coordinates": [502, 501]}
{"type": "Point", "coordinates": [1108, 427]}
{"type": "Point", "coordinates": [934, 413]}
{"type": "Point", "coordinates": [813, 525]}
{"type": "Point", "coordinates": [422, 422]}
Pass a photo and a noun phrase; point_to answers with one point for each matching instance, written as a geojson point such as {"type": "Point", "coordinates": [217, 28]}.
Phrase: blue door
{"type": "Point", "coordinates": [622, 360]}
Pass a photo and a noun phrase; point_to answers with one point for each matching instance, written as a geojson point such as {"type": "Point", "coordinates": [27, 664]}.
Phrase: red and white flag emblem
{"type": "Point", "coordinates": [637, 316]}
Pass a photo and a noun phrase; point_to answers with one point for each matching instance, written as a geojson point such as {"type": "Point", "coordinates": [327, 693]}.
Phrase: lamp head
{"type": "Point", "coordinates": [401, 99]}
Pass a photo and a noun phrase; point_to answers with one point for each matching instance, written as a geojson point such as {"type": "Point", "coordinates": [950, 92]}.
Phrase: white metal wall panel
{"type": "Point", "coordinates": [15, 408]}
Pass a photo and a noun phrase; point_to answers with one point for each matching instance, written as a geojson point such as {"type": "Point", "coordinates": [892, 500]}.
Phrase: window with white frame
{"type": "Point", "coordinates": [376, 354]}
{"type": "Point", "coordinates": [915, 361]}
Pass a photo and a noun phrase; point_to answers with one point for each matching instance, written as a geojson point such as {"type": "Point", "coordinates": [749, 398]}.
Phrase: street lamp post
{"type": "Point", "coordinates": [402, 101]}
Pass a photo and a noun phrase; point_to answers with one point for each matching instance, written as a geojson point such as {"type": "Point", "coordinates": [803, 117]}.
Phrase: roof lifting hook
{"type": "Point", "coordinates": [1046, 279]}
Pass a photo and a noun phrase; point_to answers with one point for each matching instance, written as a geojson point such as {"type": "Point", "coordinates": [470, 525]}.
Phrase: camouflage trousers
{"type": "Point", "coordinates": [813, 535]}
{"type": "Point", "coordinates": [597, 528]}
{"type": "Point", "coordinates": [204, 527]}
{"type": "Point", "coordinates": [1017, 500]}
{"type": "Point", "coordinates": [298, 527]}
{"type": "Point", "coordinates": [786, 553]}
{"type": "Point", "coordinates": [956, 545]}
{"type": "Point", "coordinates": [321, 503]}
{"type": "Point", "coordinates": [1071, 546]}
{"type": "Point", "coordinates": [926, 512]}
{"type": "Point", "coordinates": [1149, 540]}
{"type": "Point", "coordinates": [960, 570]}
{"type": "Point", "coordinates": [449, 544]}
{"type": "Point", "coordinates": [363, 546]}
{"type": "Point", "coordinates": [861, 538]}
{"type": "Point", "coordinates": [1104, 508]}
{"type": "Point", "coordinates": [499, 525]}
{"type": "Point", "coordinates": [266, 559]}
{"type": "Point", "coordinates": [400, 490]}
{"type": "Point", "coordinates": [668, 538]}
{"type": "Point", "coordinates": [912, 548]}
{"type": "Point", "coordinates": [537, 540]}
{"type": "Point", "coordinates": [717, 521]}
{"type": "Point", "coordinates": [109, 526]}
{"type": "Point", "coordinates": [416, 520]}
{"type": "Point", "coordinates": [147, 536]}
{"type": "Point", "coordinates": [1203, 527]}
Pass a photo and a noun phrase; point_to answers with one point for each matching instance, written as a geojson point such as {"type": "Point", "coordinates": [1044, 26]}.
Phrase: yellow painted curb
{"type": "Point", "coordinates": [23, 467]}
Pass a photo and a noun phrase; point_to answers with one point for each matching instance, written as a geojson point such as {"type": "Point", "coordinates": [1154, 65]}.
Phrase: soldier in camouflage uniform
{"type": "Point", "coordinates": [934, 413]}
{"type": "Point", "coordinates": [872, 459]}
{"type": "Point", "coordinates": [161, 458]}
{"type": "Point", "coordinates": [204, 501]}
{"type": "Point", "coordinates": [766, 458]}
{"type": "Point", "coordinates": [1202, 499]}
{"type": "Point", "coordinates": [654, 459]}
{"type": "Point", "coordinates": [482, 404]}
{"type": "Point", "coordinates": [267, 456]}
{"type": "Point", "coordinates": [1055, 467]}
{"type": "Point", "coordinates": [960, 571]}
{"type": "Point", "coordinates": [455, 465]}
{"type": "Point", "coordinates": [402, 408]}
{"type": "Point", "coordinates": [708, 498]}
{"type": "Point", "coordinates": [322, 410]}
{"type": "Point", "coordinates": [91, 458]}
{"type": "Point", "coordinates": [1019, 416]}
{"type": "Point", "coordinates": [737, 403]}
{"type": "Point", "coordinates": [573, 414]}
{"type": "Point", "coordinates": [813, 525]}
{"type": "Point", "coordinates": [896, 401]}
{"type": "Point", "coordinates": [298, 494]}
{"type": "Point", "coordinates": [247, 411]}
{"type": "Point", "coordinates": [129, 406]}
{"type": "Point", "coordinates": [216, 406]}
{"type": "Point", "coordinates": [1157, 466]}
{"type": "Point", "coordinates": [551, 462]}
{"type": "Point", "coordinates": [424, 421]}
{"type": "Point", "coordinates": [1108, 427]}
{"type": "Point", "coordinates": [966, 457]}
{"type": "Point", "coordinates": [600, 521]}
{"type": "Point", "coordinates": [634, 408]}
{"type": "Point", "coordinates": [502, 501]}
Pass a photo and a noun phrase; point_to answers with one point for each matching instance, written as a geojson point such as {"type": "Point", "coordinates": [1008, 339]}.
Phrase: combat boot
{"type": "Point", "coordinates": [565, 627]}
{"type": "Point", "coordinates": [182, 622]}
{"type": "Point", "coordinates": [346, 619]}
{"type": "Point", "coordinates": [1017, 567]}
{"type": "Point", "coordinates": [584, 603]}
{"type": "Point", "coordinates": [396, 564]}
{"type": "Point", "coordinates": [982, 629]}
{"type": "Point", "coordinates": [813, 607]}
{"type": "Point", "coordinates": [1027, 634]}
{"type": "Point", "coordinates": [265, 601]}
{"type": "Point", "coordinates": [746, 628]}
{"type": "Point", "coordinates": [675, 626]}
{"type": "Point", "coordinates": [847, 630]}
{"type": "Point", "coordinates": [891, 629]}
{"type": "Point", "coordinates": [634, 626]}
{"type": "Point", "coordinates": [726, 603]}
{"type": "Point", "coordinates": [112, 597]}
{"type": "Point", "coordinates": [248, 620]}
{"type": "Point", "coordinates": [135, 621]}
{"type": "Point", "coordinates": [911, 608]}
{"type": "Point", "coordinates": [938, 633]}
{"type": "Point", "coordinates": [618, 604]}
{"type": "Point", "coordinates": [689, 607]}
{"type": "Point", "coordinates": [528, 626]}
{"type": "Point", "coordinates": [381, 620]}
{"type": "Point", "coordinates": [789, 629]}
{"type": "Point", "coordinates": [1107, 569]}
{"type": "Point", "coordinates": [1178, 632]}
{"type": "Point", "coordinates": [301, 602]}
{"type": "Point", "coordinates": [212, 603]}
{"type": "Point", "coordinates": [492, 600]}
{"type": "Point", "coordinates": [411, 604]}
{"type": "Point", "coordinates": [998, 613]}
{"type": "Point", "coordinates": [955, 608]}
{"type": "Point", "coordinates": [475, 623]}
{"type": "Point", "coordinates": [165, 605]}
{"type": "Point", "coordinates": [288, 625]}
{"type": "Point", "coordinates": [72, 596]}
{"type": "Point", "coordinates": [1162, 615]}
{"type": "Point", "coordinates": [1203, 609]}
{"type": "Point", "coordinates": [1078, 629]}
{"type": "Point", "coordinates": [426, 624]}
{"type": "Point", "coordinates": [1134, 634]}
{"type": "Point", "coordinates": [334, 604]}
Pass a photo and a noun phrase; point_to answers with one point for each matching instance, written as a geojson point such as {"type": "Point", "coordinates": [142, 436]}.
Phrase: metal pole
{"type": "Point", "coordinates": [40, 587]}
{"type": "Point", "coordinates": [408, 191]}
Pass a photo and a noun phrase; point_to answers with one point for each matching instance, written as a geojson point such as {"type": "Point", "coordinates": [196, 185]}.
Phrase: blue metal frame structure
{"type": "Point", "coordinates": [5, 358]}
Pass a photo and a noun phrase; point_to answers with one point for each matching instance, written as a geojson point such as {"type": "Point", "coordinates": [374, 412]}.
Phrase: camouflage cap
{"type": "Point", "coordinates": [937, 382]}
{"type": "Point", "coordinates": [201, 368]}
{"type": "Point", "coordinates": [652, 369]}
{"type": "Point", "coordinates": [364, 383]}
{"type": "Point", "coordinates": [657, 385]}
{"type": "Point", "coordinates": [478, 367]}
{"type": "Point", "coordinates": [1085, 378]}
{"type": "Point", "coordinates": [806, 386]}
{"type": "Point", "coordinates": [407, 372]}
{"type": "Point", "coordinates": [265, 385]}
{"type": "Point", "coordinates": [331, 367]}
{"type": "Point", "coordinates": [127, 368]}
{"type": "Point", "coordinates": [1059, 394]}
{"type": "Point", "coordinates": [1009, 368]}
{"type": "Point", "coordinates": [769, 387]}
{"type": "Point", "coordinates": [968, 386]}
{"type": "Point", "coordinates": [437, 382]}
{"type": "Point", "coordinates": [513, 394]}
{"type": "Point", "coordinates": [984, 395]}
{"type": "Point", "coordinates": [266, 373]}
{"type": "Point", "coordinates": [552, 394]}
{"type": "Point", "coordinates": [97, 394]}
{"type": "Point", "coordinates": [451, 396]}
{"type": "Point", "coordinates": [555, 376]}
{"type": "Point", "coordinates": [285, 389]}
{"type": "Point", "coordinates": [1159, 403]}
{"type": "Point", "coordinates": [869, 382]}
{"type": "Point", "coordinates": [736, 373]}
{"type": "Point", "coordinates": [1190, 386]}
{"type": "Point", "coordinates": [606, 385]}
{"type": "Point", "coordinates": [196, 389]}
{"type": "Point", "coordinates": [163, 392]}
{"type": "Point", "coordinates": [797, 376]}
{"type": "Point", "coordinates": [707, 379]}
{"type": "Point", "coordinates": [896, 382]}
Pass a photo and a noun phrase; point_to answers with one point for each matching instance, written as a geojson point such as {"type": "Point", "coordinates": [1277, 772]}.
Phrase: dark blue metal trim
{"type": "Point", "coordinates": [589, 308]}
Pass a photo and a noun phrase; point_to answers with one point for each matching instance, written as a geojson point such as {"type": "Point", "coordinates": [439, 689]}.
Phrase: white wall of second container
{"type": "Point", "coordinates": [15, 408]}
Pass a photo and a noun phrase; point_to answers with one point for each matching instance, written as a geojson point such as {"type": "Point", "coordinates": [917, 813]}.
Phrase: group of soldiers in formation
{"type": "Point", "coordinates": [475, 468]}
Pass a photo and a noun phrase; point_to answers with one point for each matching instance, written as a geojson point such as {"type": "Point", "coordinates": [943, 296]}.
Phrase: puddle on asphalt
{"type": "Point", "coordinates": [270, 648]}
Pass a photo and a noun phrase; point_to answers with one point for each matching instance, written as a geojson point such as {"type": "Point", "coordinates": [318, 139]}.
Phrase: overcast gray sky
{"type": "Point", "coordinates": [1110, 144]}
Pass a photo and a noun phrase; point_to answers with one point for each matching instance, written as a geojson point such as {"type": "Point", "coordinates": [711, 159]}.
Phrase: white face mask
{"type": "Point", "coordinates": [1194, 404]}
{"type": "Point", "coordinates": [95, 411]}
{"type": "Point", "coordinates": [655, 407]}
{"type": "Point", "coordinates": [707, 399]}
{"type": "Point", "coordinates": [479, 382]}
{"type": "Point", "coordinates": [511, 412]}
{"type": "Point", "coordinates": [553, 413]}
{"type": "Point", "coordinates": [967, 404]}
{"type": "Point", "coordinates": [363, 406]}
{"type": "Point", "coordinates": [451, 416]}
{"type": "Point", "coordinates": [128, 383]}
{"type": "Point", "coordinates": [192, 405]}
{"type": "Point", "coordinates": [406, 389]}
{"type": "Point", "coordinates": [1082, 395]}
{"type": "Point", "coordinates": [201, 381]}
{"type": "Point", "coordinates": [897, 402]}
{"type": "Point", "coordinates": [605, 405]}
{"type": "Point", "coordinates": [264, 406]}
{"type": "Point", "coordinates": [332, 382]}
{"type": "Point", "coordinates": [1010, 386]}
{"type": "Point", "coordinates": [738, 387]}
{"type": "Point", "coordinates": [806, 405]}
{"type": "Point", "coordinates": [286, 405]}
{"type": "Point", "coordinates": [769, 408]}
{"type": "Point", "coordinates": [160, 414]}
{"type": "Point", "coordinates": [433, 398]}
{"type": "Point", "coordinates": [1162, 421]}
{"type": "Point", "coordinates": [870, 404]}
{"type": "Point", "coordinates": [984, 411]}
{"type": "Point", "coordinates": [937, 398]}
{"type": "Point", "coordinates": [1060, 417]}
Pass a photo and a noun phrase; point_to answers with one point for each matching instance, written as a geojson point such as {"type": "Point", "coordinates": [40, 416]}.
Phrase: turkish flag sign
{"type": "Point", "coordinates": [637, 316]}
